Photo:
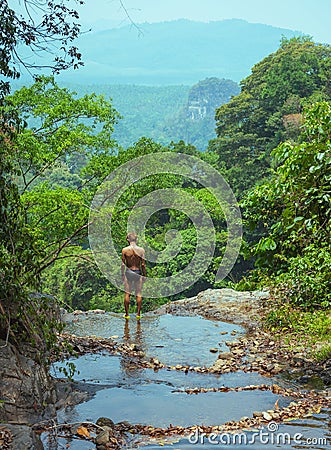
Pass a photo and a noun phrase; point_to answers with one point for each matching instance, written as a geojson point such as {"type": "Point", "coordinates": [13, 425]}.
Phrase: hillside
{"type": "Point", "coordinates": [165, 113]}
{"type": "Point", "coordinates": [175, 52]}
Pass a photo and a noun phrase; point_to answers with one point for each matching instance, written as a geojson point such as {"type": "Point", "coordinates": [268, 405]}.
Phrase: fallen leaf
{"type": "Point", "coordinates": [82, 431]}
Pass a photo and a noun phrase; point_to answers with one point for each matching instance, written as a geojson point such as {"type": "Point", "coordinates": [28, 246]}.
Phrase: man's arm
{"type": "Point", "coordinates": [143, 265]}
{"type": "Point", "coordinates": [123, 267]}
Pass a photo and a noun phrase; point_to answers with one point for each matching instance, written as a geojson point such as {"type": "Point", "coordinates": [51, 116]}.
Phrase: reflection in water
{"type": "Point", "coordinates": [136, 338]}
{"type": "Point", "coordinates": [128, 365]}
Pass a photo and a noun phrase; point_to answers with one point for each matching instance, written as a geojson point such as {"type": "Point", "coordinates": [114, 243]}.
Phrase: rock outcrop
{"type": "Point", "coordinates": [221, 304]}
{"type": "Point", "coordinates": [27, 394]}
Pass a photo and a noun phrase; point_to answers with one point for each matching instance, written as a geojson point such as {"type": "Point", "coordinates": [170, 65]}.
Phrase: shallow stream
{"type": "Point", "coordinates": [126, 392]}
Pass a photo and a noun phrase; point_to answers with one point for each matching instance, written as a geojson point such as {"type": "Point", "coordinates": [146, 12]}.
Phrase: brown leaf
{"type": "Point", "coordinates": [82, 431]}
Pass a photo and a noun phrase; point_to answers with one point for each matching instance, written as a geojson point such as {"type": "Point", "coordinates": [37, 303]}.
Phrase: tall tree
{"type": "Point", "coordinates": [53, 126]}
{"type": "Point", "coordinates": [268, 109]}
{"type": "Point", "coordinates": [293, 211]}
{"type": "Point", "coordinates": [43, 27]}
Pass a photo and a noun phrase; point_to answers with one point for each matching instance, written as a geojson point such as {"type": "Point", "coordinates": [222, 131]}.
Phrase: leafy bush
{"type": "Point", "coordinates": [307, 283]}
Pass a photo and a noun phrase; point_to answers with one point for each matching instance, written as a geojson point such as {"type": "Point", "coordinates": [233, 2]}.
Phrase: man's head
{"type": "Point", "coordinates": [131, 237]}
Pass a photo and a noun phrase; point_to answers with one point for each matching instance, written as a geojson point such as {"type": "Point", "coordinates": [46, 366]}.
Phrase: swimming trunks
{"type": "Point", "coordinates": [132, 275]}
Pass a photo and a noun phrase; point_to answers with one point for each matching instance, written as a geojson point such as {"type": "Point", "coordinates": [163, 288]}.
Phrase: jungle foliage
{"type": "Point", "coordinates": [273, 146]}
{"type": "Point", "coordinates": [44, 29]}
{"type": "Point", "coordinates": [269, 108]}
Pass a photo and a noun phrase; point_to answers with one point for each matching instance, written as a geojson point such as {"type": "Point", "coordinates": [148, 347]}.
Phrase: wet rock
{"type": "Point", "coordinates": [304, 379]}
{"type": "Point", "coordinates": [267, 416]}
{"type": "Point", "coordinates": [105, 422]}
{"type": "Point", "coordinates": [102, 438]}
{"type": "Point", "coordinates": [225, 355]}
{"type": "Point", "coordinates": [213, 350]}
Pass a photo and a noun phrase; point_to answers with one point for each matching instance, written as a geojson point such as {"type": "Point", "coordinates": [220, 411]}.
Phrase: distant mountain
{"type": "Point", "coordinates": [175, 52]}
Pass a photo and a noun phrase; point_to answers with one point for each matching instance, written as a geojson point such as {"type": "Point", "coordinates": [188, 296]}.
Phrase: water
{"type": "Point", "coordinates": [148, 397]}
{"type": "Point", "coordinates": [138, 395]}
{"type": "Point", "coordinates": [172, 339]}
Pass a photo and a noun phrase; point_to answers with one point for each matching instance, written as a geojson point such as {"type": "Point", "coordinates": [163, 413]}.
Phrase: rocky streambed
{"type": "Point", "coordinates": [195, 367]}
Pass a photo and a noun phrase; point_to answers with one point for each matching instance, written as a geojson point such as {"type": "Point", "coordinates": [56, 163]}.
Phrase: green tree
{"type": "Point", "coordinates": [269, 109]}
{"type": "Point", "coordinates": [293, 211]}
{"type": "Point", "coordinates": [23, 317]}
{"type": "Point", "coordinates": [52, 125]}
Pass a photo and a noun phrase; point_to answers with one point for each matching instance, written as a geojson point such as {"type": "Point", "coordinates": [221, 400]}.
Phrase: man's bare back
{"type": "Point", "coordinates": [132, 256]}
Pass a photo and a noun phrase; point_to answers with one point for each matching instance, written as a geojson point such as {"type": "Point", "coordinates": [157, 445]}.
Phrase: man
{"type": "Point", "coordinates": [133, 271]}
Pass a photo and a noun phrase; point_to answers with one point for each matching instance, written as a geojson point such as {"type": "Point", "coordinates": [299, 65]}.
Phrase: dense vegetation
{"type": "Point", "coordinates": [268, 109]}
{"type": "Point", "coordinates": [272, 144]}
{"type": "Point", "coordinates": [163, 113]}
{"type": "Point", "coordinates": [24, 317]}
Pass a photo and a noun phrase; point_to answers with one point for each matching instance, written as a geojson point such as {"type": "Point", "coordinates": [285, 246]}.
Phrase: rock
{"type": "Point", "coordinates": [134, 347]}
{"type": "Point", "coordinates": [267, 416]}
{"type": "Point", "coordinates": [23, 438]}
{"type": "Point", "coordinates": [277, 369]}
{"type": "Point", "coordinates": [213, 350]}
{"type": "Point", "coordinates": [257, 414]}
{"type": "Point", "coordinates": [238, 352]}
{"type": "Point", "coordinates": [102, 438]}
{"type": "Point", "coordinates": [26, 387]}
{"type": "Point", "coordinates": [225, 355]}
{"type": "Point", "coordinates": [244, 419]}
{"type": "Point", "coordinates": [105, 422]}
{"type": "Point", "coordinates": [298, 361]}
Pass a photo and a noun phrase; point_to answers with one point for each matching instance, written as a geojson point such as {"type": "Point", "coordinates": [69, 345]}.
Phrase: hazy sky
{"type": "Point", "coordinates": [312, 17]}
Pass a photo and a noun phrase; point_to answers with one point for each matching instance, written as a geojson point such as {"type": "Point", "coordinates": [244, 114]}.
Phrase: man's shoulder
{"type": "Point", "coordinates": [125, 249]}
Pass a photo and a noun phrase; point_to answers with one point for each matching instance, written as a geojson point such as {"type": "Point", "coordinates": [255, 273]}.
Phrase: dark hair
{"type": "Point", "coordinates": [131, 237]}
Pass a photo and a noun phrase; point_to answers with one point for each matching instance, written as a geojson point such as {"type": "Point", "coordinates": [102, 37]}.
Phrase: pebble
{"type": "Point", "coordinates": [267, 416]}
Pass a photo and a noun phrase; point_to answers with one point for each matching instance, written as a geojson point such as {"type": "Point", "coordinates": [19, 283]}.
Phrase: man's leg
{"type": "Point", "coordinates": [127, 288]}
{"type": "Point", "coordinates": [138, 295]}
